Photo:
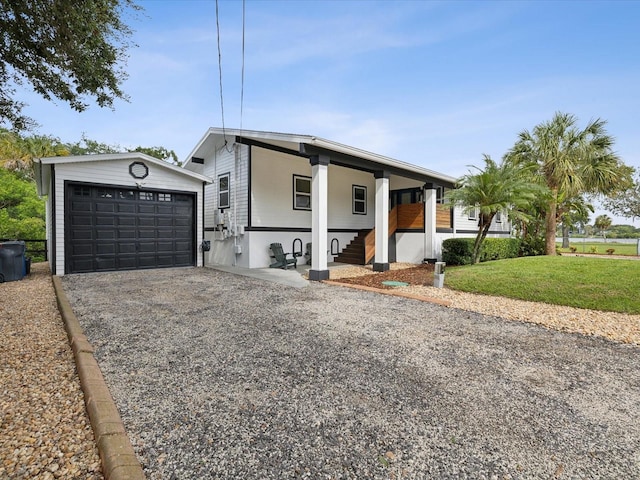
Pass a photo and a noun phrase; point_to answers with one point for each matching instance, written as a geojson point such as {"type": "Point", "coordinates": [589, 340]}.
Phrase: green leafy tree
{"type": "Point", "coordinates": [625, 203]}
{"type": "Point", "coordinates": [21, 210]}
{"type": "Point", "coordinates": [571, 162]}
{"type": "Point", "coordinates": [70, 51]}
{"type": "Point", "coordinates": [503, 187]}
{"type": "Point", "coordinates": [87, 146]}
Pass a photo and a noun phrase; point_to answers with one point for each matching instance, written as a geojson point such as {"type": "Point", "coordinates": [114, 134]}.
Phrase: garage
{"type": "Point", "coordinates": [116, 228]}
{"type": "Point", "coordinates": [125, 211]}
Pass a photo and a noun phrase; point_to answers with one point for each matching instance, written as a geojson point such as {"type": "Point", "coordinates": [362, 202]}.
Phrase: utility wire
{"type": "Point", "coordinates": [224, 134]}
{"type": "Point", "coordinates": [242, 77]}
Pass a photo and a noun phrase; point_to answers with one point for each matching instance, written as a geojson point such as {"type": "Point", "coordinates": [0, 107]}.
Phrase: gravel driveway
{"type": "Point", "coordinates": [222, 376]}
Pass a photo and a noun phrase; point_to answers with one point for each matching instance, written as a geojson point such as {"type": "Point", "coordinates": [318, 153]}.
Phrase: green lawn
{"type": "Point", "coordinates": [601, 248]}
{"type": "Point", "coordinates": [594, 283]}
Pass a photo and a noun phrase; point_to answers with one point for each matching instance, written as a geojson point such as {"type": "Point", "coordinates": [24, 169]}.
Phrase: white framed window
{"type": "Point", "coordinates": [359, 200]}
{"type": "Point", "coordinates": [301, 192]}
{"type": "Point", "coordinates": [473, 213]}
{"type": "Point", "coordinates": [223, 190]}
{"type": "Point", "coordinates": [499, 216]}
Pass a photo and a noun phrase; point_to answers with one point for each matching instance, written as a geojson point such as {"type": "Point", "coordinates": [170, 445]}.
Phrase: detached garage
{"type": "Point", "coordinates": [120, 212]}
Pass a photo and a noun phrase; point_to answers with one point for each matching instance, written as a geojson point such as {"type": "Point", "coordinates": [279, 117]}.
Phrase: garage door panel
{"type": "Point", "coordinates": [148, 208]}
{"type": "Point", "coordinates": [82, 220]}
{"type": "Point", "coordinates": [126, 247]}
{"type": "Point", "coordinates": [165, 246]}
{"type": "Point", "coordinates": [105, 248]}
{"type": "Point", "coordinates": [119, 229]}
{"type": "Point", "coordinates": [105, 207]}
{"type": "Point", "coordinates": [126, 233]}
{"type": "Point", "coordinates": [127, 221]}
{"type": "Point", "coordinates": [105, 263]}
{"type": "Point", "coordinates": [80, 206]}
{"type": "Point", "coordinates": [147, 233]}
{"type": "Point", "coordinates": [80, 249]}
{"type": "Point", "coordinates": [102, 234]}
{"type": "Point", "coordinates": [104, 220]}
{"type": "Point", "coordinates": [126, 208]}
{"type": "Point", "coordinates": [127, 262]}
{"type": "Point", "coordinates": [164, 221]}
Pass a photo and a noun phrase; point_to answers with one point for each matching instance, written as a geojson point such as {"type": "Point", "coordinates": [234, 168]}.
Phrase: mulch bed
{"type": "Point", "coordinates": [419, 275]}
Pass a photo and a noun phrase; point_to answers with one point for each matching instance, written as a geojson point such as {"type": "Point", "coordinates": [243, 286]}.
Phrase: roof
{"type": "Point", "coordinates": [307, 145]}
{"type": "Point", "coordinates": [43, 165]}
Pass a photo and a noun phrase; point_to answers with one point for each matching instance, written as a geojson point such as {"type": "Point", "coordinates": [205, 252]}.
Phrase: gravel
{"type": "Point", "coordinates": [222, 376]}
{"type": "Point", "coordinates": [44, 428]}
{"type": "Point", "coordinates": [619, 327]}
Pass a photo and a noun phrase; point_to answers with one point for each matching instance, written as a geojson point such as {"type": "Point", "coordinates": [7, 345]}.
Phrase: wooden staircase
{"type": "Point", "coordinates": [362, 248]}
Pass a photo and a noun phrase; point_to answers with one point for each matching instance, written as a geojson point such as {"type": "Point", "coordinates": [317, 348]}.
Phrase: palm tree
{"type": "Point", "coordinates": [17, 153]}
{"type": "Point", "coordinates": [573, 211]}
{"type": "Point", "coordinates": [570, 162]}
{"type": "Point", "coordinates": [497, 188]}
{"type": "Point", "coordinates": [602, 223]}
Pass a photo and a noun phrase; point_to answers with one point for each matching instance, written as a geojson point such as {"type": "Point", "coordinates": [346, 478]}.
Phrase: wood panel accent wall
{"type": "Point", "coordinates": [411, 215]}
{"type": "Point", "coordinates": [443, 216]}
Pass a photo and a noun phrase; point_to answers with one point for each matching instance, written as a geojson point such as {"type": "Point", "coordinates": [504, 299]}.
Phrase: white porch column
{"type": "Point", "coordinates": [430, 222]}
{"type": "Point", "coordinates": [319, 216]}
{"type": "Point", "coordinates": [381, 259]}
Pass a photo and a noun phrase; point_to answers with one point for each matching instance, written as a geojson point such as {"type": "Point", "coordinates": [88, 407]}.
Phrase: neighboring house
{"type": "Point", "coordinates": [120, 212]}
{"type": "Point", "coordinates": [351, 205]}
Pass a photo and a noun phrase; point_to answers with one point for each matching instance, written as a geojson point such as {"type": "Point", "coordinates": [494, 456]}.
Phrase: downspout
{"type": "Point", "coordinates": [234, 226]}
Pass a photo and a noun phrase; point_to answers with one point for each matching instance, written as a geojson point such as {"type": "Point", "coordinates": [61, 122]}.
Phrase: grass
{"type": "Point", "coordinates": [601, 248]}
{"type": "Point", "coordinates": [594, 283]}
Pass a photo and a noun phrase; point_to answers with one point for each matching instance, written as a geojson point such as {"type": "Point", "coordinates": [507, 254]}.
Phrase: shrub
{"type": "Point", "coordinates": [610, 251]}
{"type": "Point", "coordinates": [573, 249]}
{"type": "Point", "coordinates": [459, 251]}
{"type": "Point", "coordinates": [533, 246]}
{"type": "Point", "coordinates": [594, 249]}
{"type": "Point", "coordinates": [498, 248]}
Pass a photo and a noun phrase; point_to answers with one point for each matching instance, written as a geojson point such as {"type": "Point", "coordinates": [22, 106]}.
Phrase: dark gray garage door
{"type": "Point", "coordinates": [112, 228]}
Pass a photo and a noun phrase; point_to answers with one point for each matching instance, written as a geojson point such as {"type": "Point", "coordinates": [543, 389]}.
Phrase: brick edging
{"type": "Point", "coordinates": [437, 301]}
{"type": "Point", "coordinates": [119, 461]}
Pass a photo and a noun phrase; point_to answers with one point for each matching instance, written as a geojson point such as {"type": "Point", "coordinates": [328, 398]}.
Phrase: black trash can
{"type": "Point", "coordinates": [12, 261]}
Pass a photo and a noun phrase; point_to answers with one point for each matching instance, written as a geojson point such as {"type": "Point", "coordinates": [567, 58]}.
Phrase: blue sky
{"type": "Point", "coordinates": [436, 84]}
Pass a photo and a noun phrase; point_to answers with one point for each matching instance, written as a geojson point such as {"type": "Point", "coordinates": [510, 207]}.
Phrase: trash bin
{"type": "Point", "coordinates": [12, 261]}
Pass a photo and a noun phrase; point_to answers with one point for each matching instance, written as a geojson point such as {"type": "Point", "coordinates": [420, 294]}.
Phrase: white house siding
{"type": "Point", "coordinates": [463, 225]}
{"type": "Point", "coordinates": [116, 172]}
{"type": "Point", "coordinates": [410, 247]}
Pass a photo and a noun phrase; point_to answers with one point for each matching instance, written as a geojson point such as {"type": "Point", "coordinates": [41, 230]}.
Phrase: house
{"type": "Point", "coordinates": [120, 212]}
{"type": "Point", "coordinates": [240, 191]}
{"type": "Point", "coordinates": [350, 205]}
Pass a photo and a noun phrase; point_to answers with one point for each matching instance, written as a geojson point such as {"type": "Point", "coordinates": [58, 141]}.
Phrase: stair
{"type": "Point", "coordinates": [354, 253]}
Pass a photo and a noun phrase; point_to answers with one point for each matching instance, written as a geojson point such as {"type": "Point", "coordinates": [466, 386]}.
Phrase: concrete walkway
{"type": "Point", "coordinates": [292, 278]}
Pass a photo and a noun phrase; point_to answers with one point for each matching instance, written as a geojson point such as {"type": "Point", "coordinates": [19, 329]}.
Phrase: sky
{"type": "Point", "coordinates": [436, 84]}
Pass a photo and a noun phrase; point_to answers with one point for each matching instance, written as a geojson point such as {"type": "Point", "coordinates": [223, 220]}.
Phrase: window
{"type": "Point", "coordinates": [439, 194]}
{"type": "Point", "coordinates": [498, 217]}
{"type": "Point", "coordinates": [301, 193]}
{"type": "Point", "coordinates": [223, 190]}
{"type": "Point", "coordinates": [147, 196]}
{"type": "Point", "coordinates": [126, 194]}
{"type": "Point", "coordinates": [359, 195]}
{"type": "Point", "coordinates": [473, 213]}
{"type": "Point", "coordinates": [164, 197]}
{"type": "Point", "coordinates": [79, 191]}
